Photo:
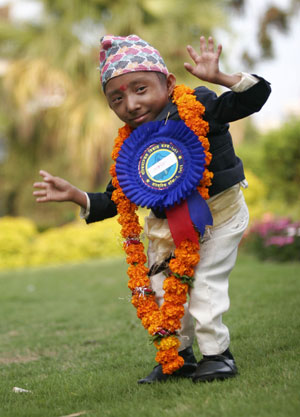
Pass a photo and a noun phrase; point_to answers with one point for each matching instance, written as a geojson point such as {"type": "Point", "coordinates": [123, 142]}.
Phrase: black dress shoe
{"type": "Point", "coordinates": [217, 367]}
{"type": "Point", "coordinates": [186, 371]}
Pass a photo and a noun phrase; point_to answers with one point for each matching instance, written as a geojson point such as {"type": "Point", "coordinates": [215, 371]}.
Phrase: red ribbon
{"type": "Point", "coordinates": [180, 223]}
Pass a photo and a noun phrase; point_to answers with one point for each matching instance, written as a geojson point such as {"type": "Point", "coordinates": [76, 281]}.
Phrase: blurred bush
{"type": "Point", "coordinates": [255, 195]}
{"type": "Point", "coordinates": [274, 157]}
{"type": "Point", "coordinates": [281, 161]}
{"type": "Point", "coordinates": [22, 245]}
{"type": "Point", "coordinates": [272, 160]}
{"type": "Point", "coordinates": [276, 239]}
{"type": "Point", "coordinates": [16, 237]}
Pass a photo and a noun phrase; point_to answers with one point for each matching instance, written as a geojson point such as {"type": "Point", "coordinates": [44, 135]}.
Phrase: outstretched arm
{"type": "Point", "coordinates": [206, 64]}
{"type": "Point", "coordinates": [57, 189]}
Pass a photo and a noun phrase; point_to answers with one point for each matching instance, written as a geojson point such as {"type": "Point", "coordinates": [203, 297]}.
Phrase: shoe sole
{"type": "Point", "coordinates": [171, 377]}
{"type": "Point", "coordinates": [211, 378]}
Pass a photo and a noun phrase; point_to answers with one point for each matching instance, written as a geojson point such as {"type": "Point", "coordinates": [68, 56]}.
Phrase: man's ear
{"type": "Point", "coordinates": [171, 83]}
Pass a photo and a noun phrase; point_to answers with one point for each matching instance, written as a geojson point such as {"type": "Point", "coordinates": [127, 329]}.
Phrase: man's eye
{"type": "Point", "coordinates": [141, 89]}
{"type": "Point", "coordinates": [116, 100]}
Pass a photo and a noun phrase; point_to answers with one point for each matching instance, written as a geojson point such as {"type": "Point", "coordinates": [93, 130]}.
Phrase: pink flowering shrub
{"type": "Point", "coordinates": [276, 239]}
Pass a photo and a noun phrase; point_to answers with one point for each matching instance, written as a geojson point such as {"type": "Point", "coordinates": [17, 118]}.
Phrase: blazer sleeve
{"type": "Point", "coordinates": [101, 205]}
{"type": "Point", "coordinates": [231, 106]}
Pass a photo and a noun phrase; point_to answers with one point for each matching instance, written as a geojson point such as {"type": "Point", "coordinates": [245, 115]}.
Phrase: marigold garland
{"type": "Point", "coordinates": [162, 323]}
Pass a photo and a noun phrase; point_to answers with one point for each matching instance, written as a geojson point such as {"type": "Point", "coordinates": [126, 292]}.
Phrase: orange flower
{"type": "Point", "coordinates": [173, 285]}
{"type": "Point", "coordinates": [172, 324]}
{"type": "Point", "coordinates": [170, 360]}
{"type": "Point", "coordinates": [153, 320]}
{"type": "Point", "coordinates": [136, 271]}
{"type": "Point", "coordinates": [136, 258]}
{"type": "Point", "coordinates": [135, 300]}
{"type": "Point", "coordinates": [138, 282]}
{"type": "Point", "coordinates": [180, 268]}
{"type": "Point", "coordinates": [174, 298]}
{"type": "Point", "coordinates": [172, 310]}
{"type": "Point", "coordinates": [112, 170]}
{"type": "Point", "coordinates": [145, 308]}
{"type": "Point", "coordinates": [172, 366]}
{"type": "Point", "coordinates": [189, 108]}
{"type": "Point", "coordinates": [131, 230]}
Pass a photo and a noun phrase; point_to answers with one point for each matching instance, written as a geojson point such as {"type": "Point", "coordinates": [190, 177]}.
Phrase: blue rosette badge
{"type": "Point", "coordinates": [159, 167]}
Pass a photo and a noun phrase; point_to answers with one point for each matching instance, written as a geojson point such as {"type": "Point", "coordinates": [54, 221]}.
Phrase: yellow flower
{"type": "Point", "coordinates": [167, 343]}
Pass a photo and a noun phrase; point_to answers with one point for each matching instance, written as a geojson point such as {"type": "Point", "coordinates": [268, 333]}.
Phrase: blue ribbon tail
{"type": "Point", "coordinates": [199, 212]}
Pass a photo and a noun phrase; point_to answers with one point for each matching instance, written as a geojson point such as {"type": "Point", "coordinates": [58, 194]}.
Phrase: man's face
{"type": "Point", "coordinates": [138, 97]}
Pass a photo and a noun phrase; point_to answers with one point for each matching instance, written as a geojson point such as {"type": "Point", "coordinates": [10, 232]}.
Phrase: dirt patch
{"type": "Point", "coordinates": [7, 360]}
{"type": "Point", "coordinates": [12, 333]}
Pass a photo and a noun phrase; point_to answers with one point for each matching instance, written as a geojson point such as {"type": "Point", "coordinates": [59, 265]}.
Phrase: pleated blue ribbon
{"type": "Point", "coordinates": [160, 165]}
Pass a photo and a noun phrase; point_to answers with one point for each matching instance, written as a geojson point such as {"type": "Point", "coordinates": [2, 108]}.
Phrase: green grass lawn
{"type": "Point", "coordinates": [70, 335]}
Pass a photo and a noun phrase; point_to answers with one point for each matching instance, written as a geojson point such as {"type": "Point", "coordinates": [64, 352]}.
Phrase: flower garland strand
{"type": "Point", "coordinates": [162, 322]}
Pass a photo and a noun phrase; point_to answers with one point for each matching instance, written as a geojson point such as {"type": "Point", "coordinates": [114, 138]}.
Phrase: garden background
{"type": "Point", "coordinates": [53, 116]}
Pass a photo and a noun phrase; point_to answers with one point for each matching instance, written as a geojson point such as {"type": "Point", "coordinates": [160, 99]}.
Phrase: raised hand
{"type": "Point", "coordinates": [207, 62]}
{"type": "Point", "coordinates": [52, 188]}
{"type": "Point", "coordinates": [57, 189]}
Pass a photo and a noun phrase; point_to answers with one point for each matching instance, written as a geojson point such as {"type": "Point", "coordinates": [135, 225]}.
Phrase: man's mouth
{"type": "Point", "coordinates": [139, 119]}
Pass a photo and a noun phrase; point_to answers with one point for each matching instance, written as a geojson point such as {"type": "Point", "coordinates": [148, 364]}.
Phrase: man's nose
{"type": "Point", "coordinates": [132, 103]}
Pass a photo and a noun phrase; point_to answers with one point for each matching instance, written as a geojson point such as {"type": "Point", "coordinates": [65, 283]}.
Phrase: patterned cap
{"type": "Point", "coordinates": [120, 55]}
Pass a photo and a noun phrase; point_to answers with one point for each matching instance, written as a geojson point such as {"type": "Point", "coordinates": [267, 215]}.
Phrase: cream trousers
{"type": "Point", "coordinates": [208, 299]}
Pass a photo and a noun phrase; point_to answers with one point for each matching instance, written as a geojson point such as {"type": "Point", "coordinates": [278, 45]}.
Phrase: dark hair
{"type": "Point", "coordinates": [162, 77]}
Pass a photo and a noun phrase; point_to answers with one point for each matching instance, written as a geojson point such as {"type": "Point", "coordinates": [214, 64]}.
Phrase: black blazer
{"type": "Point", "coordinates": [219, 112]}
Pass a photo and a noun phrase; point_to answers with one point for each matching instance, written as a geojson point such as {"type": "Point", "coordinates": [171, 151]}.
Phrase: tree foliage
{"type": "Point", "coordinates": [55, 115]}
{"type": "Point", "coordinates": [273, 17]}
{"type": "Point", "coordinates": [281, 161]}
{"type": "Point", "coordinates": [52, 113]}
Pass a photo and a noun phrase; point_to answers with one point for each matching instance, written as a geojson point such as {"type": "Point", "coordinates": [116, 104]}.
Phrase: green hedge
{"type": "Point", "coordinates": [22, 245]}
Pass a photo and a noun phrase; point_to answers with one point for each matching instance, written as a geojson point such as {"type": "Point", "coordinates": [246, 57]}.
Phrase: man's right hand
{"type": "Point", "coordinates": [57, 189]}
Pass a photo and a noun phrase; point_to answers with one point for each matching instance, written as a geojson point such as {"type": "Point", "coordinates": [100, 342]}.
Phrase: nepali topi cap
{"type": "Point", "coordinates": [122, 54]}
